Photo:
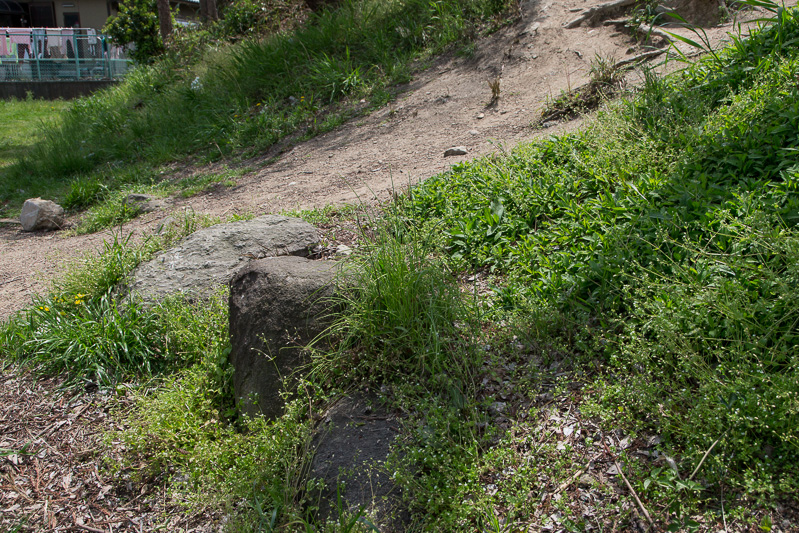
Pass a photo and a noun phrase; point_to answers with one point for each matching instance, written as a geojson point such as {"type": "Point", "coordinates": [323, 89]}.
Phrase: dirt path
{"type": "Point", "coordinates": [443, 107]}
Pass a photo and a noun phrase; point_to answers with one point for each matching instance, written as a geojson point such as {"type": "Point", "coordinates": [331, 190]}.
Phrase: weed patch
{"type": "Point", "coordinates": [663, 236]}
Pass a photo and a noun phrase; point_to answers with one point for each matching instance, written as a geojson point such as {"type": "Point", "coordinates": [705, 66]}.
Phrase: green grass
{"type": "Point", "coordinates": [661, 242]}
{"type": "Point", "coordinates": [24, 122]}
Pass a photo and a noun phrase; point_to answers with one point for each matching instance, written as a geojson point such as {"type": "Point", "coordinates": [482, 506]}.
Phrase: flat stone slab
{"type": "Point", "coordinates": [351, 446]}
{"type": "Point", "coordinates": [209, 257]}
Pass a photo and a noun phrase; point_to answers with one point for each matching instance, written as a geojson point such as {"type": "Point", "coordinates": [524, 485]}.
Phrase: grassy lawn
{"type": "Point", "coordinates": [22, 120]}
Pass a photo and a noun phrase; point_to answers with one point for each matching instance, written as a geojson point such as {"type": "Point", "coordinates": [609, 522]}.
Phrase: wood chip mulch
{"type": "Point", "coordinates": [53, 466]}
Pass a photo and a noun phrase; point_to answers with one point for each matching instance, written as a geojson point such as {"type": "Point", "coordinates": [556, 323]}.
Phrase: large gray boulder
{"type": "Point", "coordinates": [278, 305]}
{"type": "Point", "coordinates": [351, 446]}
{"type": "Point", "coordinates": [209, 257]}
{"type": "Point", "coordinates": [38, 214]}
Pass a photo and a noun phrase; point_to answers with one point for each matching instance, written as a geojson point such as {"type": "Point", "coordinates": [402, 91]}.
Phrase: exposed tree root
{"type": "Point", "coordinates": [589, 96]}
{"type": "Point", "coordinates": [640, 58]}
{"type": "Point", "coordinates": [643, 30]}
{"type": "Point", "coordinates": [602, 10]}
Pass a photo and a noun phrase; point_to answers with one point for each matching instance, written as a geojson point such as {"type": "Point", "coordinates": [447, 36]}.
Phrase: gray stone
{"type": "Point", "coordinates": [351, 446]}
{"type": "Point", "coordinates": [38, 214]}
{"type": "Point", "coordinates": [532, 29]}
{"type": "Point", "coordinates": [209, 257]}
{"type": "Point", "coordinates": [457, 150]}
{"type": "Point", "coordinates": [277, 306]}
{"type": "Point", "coordinates": [143, 203]}
{"type": "Point", "coordinates": [343, 249]}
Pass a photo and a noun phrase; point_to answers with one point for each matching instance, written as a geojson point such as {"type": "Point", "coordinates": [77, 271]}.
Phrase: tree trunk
{"type": "Point", "coordinates": [212, 13]}
{"type": "Point", "coordinates": [208, 10]}
{"type": "Point", "coordinates": [164, 19]}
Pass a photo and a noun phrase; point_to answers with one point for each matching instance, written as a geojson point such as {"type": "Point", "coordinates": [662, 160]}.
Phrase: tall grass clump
{"type": "Point", "coordinates": [665, 233]}
{"type": "Point", "coordinates": [248, 95]}
{"type": "Point", "coordinates": [85, 328]}
{"type": "Point", "coordinates": [181, 435]}
{"type": "Point", "coordinates": [402, 315]}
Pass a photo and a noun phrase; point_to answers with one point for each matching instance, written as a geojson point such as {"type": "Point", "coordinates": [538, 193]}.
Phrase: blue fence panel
{"type": "Point", "coordinates": [59, 54]}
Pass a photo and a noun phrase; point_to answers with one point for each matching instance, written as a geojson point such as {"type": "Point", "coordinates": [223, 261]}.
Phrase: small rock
{"type": "Point", "coordinates": [143, 203]}
{"type": "Point", "coordinates": [585, 481]}
{"type": "Point", "coordinates": [457, 150]}
{"type": "Point", "coordinates": [38, 214]}
{"type": "Point", "coordinates": [343, 249]}
{"type": "Point", "coordinates": [474, 132]}
{"type": "Point", "coordinates": [497, 408]}
{"type": "Point", "coordinates": [548, 124]}
{"type": "Point", "coordinates": [532, 28]}
{"type": "Point", "coordinates": [653, 441]}
{"type": "Point", "coordinates": [481, 116]}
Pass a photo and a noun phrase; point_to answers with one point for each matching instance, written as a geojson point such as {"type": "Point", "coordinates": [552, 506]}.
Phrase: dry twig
{"type": "Point", "coordinates": [646, 56]}
{"type": "Point", "coordinates": [630, 487]}
{"type": "Point", "coordinates": [703, 459]}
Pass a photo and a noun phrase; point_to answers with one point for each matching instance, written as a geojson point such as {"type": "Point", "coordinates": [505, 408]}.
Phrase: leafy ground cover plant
{"type": "Point", "coordinates": [663, 235]}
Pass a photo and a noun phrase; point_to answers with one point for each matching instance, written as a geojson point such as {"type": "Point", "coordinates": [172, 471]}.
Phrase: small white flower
{"type": "Point", "coordinates": [196, 85]}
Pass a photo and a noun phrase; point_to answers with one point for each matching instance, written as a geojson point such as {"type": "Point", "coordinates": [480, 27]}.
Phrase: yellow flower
{"type": "Point", "coordinates": [46, 309]}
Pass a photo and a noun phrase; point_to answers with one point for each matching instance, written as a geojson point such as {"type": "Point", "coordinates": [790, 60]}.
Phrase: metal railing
{"type": "Point", "coordinates": [59, 54]}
